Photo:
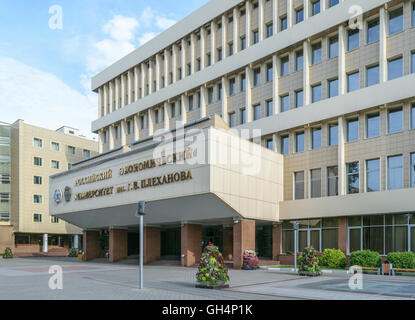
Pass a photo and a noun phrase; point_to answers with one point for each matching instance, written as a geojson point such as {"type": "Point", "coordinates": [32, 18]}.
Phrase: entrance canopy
{"type": "Point", "coordinates": [203, 173]}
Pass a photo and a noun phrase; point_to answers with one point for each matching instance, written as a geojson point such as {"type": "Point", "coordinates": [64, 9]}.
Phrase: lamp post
{"type": "Point", "coordinates": [140, 213]}
{"type": "Point", "coordinates": [295, 244]}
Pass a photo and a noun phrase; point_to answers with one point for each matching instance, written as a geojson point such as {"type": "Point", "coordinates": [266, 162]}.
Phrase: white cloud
{"type": "Point", "coordinates": [146, 37]}
{"type": "Point", "coordinates": [164, 23]}
{"type": "Point", "coordinates": [42, 99]}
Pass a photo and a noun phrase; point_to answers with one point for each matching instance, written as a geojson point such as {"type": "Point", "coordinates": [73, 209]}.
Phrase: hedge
{"type": "Point", "coordinates": [402, 260]}
{"type": "Point", "coordinates": [365, 258]}
{"type": "Point", "coordinates": [333, 259]}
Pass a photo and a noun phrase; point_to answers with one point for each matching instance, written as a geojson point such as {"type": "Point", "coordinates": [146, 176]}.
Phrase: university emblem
{"type": "Point", "coordinates": [58, 196]}
{"type": "Point", "coordinates": [67, 194]}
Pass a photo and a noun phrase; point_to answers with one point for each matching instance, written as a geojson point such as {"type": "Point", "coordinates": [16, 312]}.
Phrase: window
{"type": "Point", "coordinates": [270, 107]}
{"type": "Point", "coordinates": [54, 220]}
{"type": "Point", "coordinates": [219, 54]}
{"type": "Point", "coordinates": [257, 112]}
{"type": "Point", "coordinates": [333, 88]}
{"type": "Point", "coordinates": [37, 198]}
{"type": "Point", "coordinates": [332, 181]}
{"type": "Point", "coordinates": [299, 142]}
{"type": "Point", "coordinates": [372, 75]}
{"type": "Point", "coordinates": [219, 92]}
{"type": "Point", "coordinates": [242, 12]}
{"type": "Point", "coordinates": [243, 116]}
{"type": "Point", "coordinates": [373, 30]}
{"type": "Point", "coordinates": [373, 125]}
{"type": "Point", "coordinates": [255, 5]}
{"type": "Point", "coordinates": [283, 23]}
{"type": "Point", "coordinates": [257, 77]}
{"type": "Point", "coordinates": [413, 62]}
{"type": "Point", "coordinates": [395, 68]}
{"type": "Point", "coordinates": [352, 39]}
{"type": "Point", "coordinates": [285, 145]}
{"type": "Point", "coordinates": [395, 172]}
{"type": "Point", "coordinates": [333, 47]}
{"type": "Point", "coordinates": [299, 60]}
{"type": "Point", "coordinates": [285, 103]}
{"type": "Point", "coordinates": [315, 183]}
{"type": "Point", "coordinates": [353, 82]}
{"type": "Point", "coordinates": [232, 86]}
{"type": "Point", "coordinates": [210, 95]}
{"type": "Point", "coordinates": [37, 161]}
{"type": "Point", "coordinates": [128, 132]}
{"type": "Point", "coordinates": [315, 8]}
{"type": "Point", "coordinates": [316, 93]}
{"type": "Point", "coordinates": [352, 130]}
{"type": "Point", "coordinates": [373, 175]}
{"type": "Point", "coordinates": [71, 150]}
{"type": "Point", "coordinates": [412, 170]}
{"type": "Point", "coordinates": [413, 14]}
{"type": "Point", "coordinates": [270, 144]}
{"type": "Point", "coordinates": [173, 105]}
{"type": "Point", "coordinates": [209, 59]}
{"type": "Point", "coordinates": [37, 180]}
{"type": "Point", "coordinates": [316, 138]}
{"type": "Point", "coordinates": [299, 185]}
{"type": "Point", "coordinates": [299, 98]}
{"type": "Point", "coordinates": [333, 134]}
{"type": "Point", "coordinates": [189, 69]}
{"type": "Point", "coordinates": [352, 172]}
{"type": "Point", "coordinates": [232, 119]}
{"type": "Point", "coordinates": [37, 142]}
{"type": "Point", "coordinates": [199, 64]}
{"type": "Point", "coordinates": [255, 37]}
{"type": "Point", "coordinates": [333, 3]}
{"type": "Point", "coordinates": [269, 30]}
{"type": "Point", "coordinates": [54, 164]}
{"type": "Point", "coordinates": [285, 66]}
{"type": "Point", "coordinates": [230, 49]}
{"type": "Point", "coordinates": [156, 116]}
{"type": "Point", "coordinates": [395, 120]}
{"type": "Point", "coordinates": [243, 82]}
{"type": "Point", "coordinates": [396, 21]}
{"type": "Point", "coordinates": [299, 15]}
{"type": "Point", "coordinates": [316, 53]}
{"type": "Point", "coordinates": [190, 103]}
{"type": "Point", "coordinates": [269, 71]}
{"type": "Point", "coordinates": [413, 116]}
{"type": "Point", "coordinates": [243, 43]}
{"type": "Point", "coordinates": [37, 217]}
{"type": "Point", "coordinates": [142, 122]}
{"type": "Point", "coordinates": [55, 146]}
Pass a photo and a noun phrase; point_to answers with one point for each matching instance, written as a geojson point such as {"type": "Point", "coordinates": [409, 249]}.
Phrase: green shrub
{"type": "Point", "coordinates": [365, 258]}
{"type": "Point", "coordinates": [8, 254]}
{"type": "Point", "coordinates": [402, 260]}
{"type": "Point", "coordinates": [73, 253]}
{"type": "Point", "coordinates": [333, 259]}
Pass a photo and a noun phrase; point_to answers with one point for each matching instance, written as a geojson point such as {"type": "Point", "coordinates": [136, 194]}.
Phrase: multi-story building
{"type": "Point", "coordinates": [330, 84]}
{"type": "Point", "coordinates": [28, 156]}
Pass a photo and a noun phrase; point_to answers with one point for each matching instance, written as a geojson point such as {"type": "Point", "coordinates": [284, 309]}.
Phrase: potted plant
{"type": "Point", "coordinates": [212, 271]}
{"type": "Point", "coordinates": [8, 254]}
{"type": "Point", "coordinates": [250, 260]}
{"type": "Point", "coordinates": [308, 262]}
{"type": "Point", "coordinates": [72, 253]}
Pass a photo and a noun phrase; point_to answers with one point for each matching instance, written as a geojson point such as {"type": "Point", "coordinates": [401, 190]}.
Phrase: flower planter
{"type": "Point", "coordinates": [212, 271]}
{"type": "Point", "coordinates": [211, 285]}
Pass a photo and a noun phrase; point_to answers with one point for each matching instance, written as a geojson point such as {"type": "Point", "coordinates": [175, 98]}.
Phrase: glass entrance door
{"type": "Point", "coordinates": [412, 235]}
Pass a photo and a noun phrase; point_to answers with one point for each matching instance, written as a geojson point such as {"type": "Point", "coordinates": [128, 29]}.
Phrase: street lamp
{"type": "Point", "coordinates": [140, 213]}
{"type": "Point", "coordinates": [295, 244]}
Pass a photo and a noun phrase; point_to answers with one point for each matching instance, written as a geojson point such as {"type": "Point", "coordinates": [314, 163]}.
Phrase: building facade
{"type": "Point", "coordinates": [329, 84]}
{"type": "Point", "coordinates": [29, 155]}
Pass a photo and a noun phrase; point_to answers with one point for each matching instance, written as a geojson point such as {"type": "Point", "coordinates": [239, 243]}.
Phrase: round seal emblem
{"type": "Point", "coordinates": [58, 196]}
{"type": "Point", "coordinates": [67, 194]}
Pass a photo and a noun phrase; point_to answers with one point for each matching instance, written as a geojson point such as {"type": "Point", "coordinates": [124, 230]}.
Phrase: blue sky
{"type": "Point", "coordinates": [45, 74]}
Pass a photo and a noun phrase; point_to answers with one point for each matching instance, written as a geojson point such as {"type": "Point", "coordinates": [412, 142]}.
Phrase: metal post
{"type": "Point", "coordinates": [141, 250]}
{"type": "Point", "coordinates": [295, 244]}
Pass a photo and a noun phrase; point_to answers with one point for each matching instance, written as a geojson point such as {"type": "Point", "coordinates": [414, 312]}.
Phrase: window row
{"type": "Point", "coordinates": [37, 217]}
{"type": "Point", "coordinates": [37, 142]}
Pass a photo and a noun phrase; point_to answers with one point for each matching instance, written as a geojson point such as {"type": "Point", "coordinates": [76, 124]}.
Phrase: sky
{"type": "Point", "coordinates": [49, 50]}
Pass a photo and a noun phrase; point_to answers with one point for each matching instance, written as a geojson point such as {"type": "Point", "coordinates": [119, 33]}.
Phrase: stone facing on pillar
{"type": "Point", "coordinates": [243, 239]}
{"type": "Point", "coordinates": [227, 243]}
{"type": "Point", "coordinates": [276, 241]}
{"type": "Point", "coordinates": [152, 243]}
{"type": "Point", "coordinates": [342, 240]}
{"type": "Point", "coordinates": [91, 245]}
{"type": "Point", "coordinates": [118, 245]}
{"type": "Point", "coordinates": [191, 244]}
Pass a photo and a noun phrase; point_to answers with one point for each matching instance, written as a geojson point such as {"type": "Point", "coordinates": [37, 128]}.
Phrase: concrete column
{"type": "Point", "coordinates": [142, 80]}
{"type": "Point", "coordinates": [342, 234]}
{"type": "Point", "coordinates": [183, 107]}
{"type": "Point", "coordinates": [383, 63]}
{"type": "Point", "coordinates": [192, 55]}
{"type": "Point", "coordinates": [275, 141]}
{"type": "Point", "coordinates": [243, 239]}
{"type": "Point", "coordinates": [235, 30]}
{"type": "Point", "coordinates": [248, 15]}
{"type": "Point", "coordinates": [248, 93]}
{"type": "Point", "coordinates": [130, 86]}
{"type": "Point", "coordinates": [158, 72]}
{"type": "Point", "coordinates": [306, 77]}
{"type": "Point", "coordinates": [324, 5]}
{"type": "Point", "coordinates": [76, 241]}
{"type": "Point", "coordinates": [150, 77]}
{"type": "Point", "coordinates": [136, 127]}
{"type": "Point", "coordinates": [290, 14]}
{"type": "Point", "coordinates": [166, 68]}
{"type": "Point", "coordinates": [100, 102]}
{"type": "Point", "coordinates": [111, 137]}
{"type": "Point", "coordinates": [112, 102]}
{"type": "Point", "coordinates": [91, 245]}
{"type": "Point", "coordinates": [261, 24]}
{"type": "Point", "coordinates": [151, 245]}
{"type": "Point", "coordinates": [227, 243]}
{"type": "Point", "coordinates": [174, 63]}
{"type": "Point", "coordinates": [225, 90]}
{"type": "Point", "coordinates": [45, 243]}
{"type": "Point", "coordinates": [275, 84]}
{"type": "Point", "coordinates": [123, 90]}
{"type": "Point", "coordinates": [136, 83]}
{"type": "Point", "coordinates": [101, 141]}
{"type": "Point", "coordinates": [117, 94]}
{"type": "Point", "coordinates": [341, 156]}
{"type": "Point", "coordinates": [342, 61]}
{"type": "Point", "coordinates": [150, 122]}
{"type": "Point", "coordinates": [306, 9]}
{"type": "Point", "coordinates": [191, 244]}
{"type": "Point", "coordinates": [275, 18]}
{"type": "Point", "coordinates": [224, 34]}
{"type": "Point", "coordinates": [118, 245]}
{"type": "Point", "coordinates": [105, 98]}
{"type": "Point", "coordinates": [202, 48]}
{"type": "Point", "coordinates": [166, 124]}
{"type": "Point", "coordinates": [213, 42]}
{"type": "Point", "coordinates": [276, 241]}
{"type": "Point", "coordinates": [123, 132]}
{"type": "Point", "coordinates": [203, 99]}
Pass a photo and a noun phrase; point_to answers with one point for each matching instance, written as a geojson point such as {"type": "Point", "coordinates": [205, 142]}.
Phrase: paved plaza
{"type": "Point", "coordinates": [28, 278]}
